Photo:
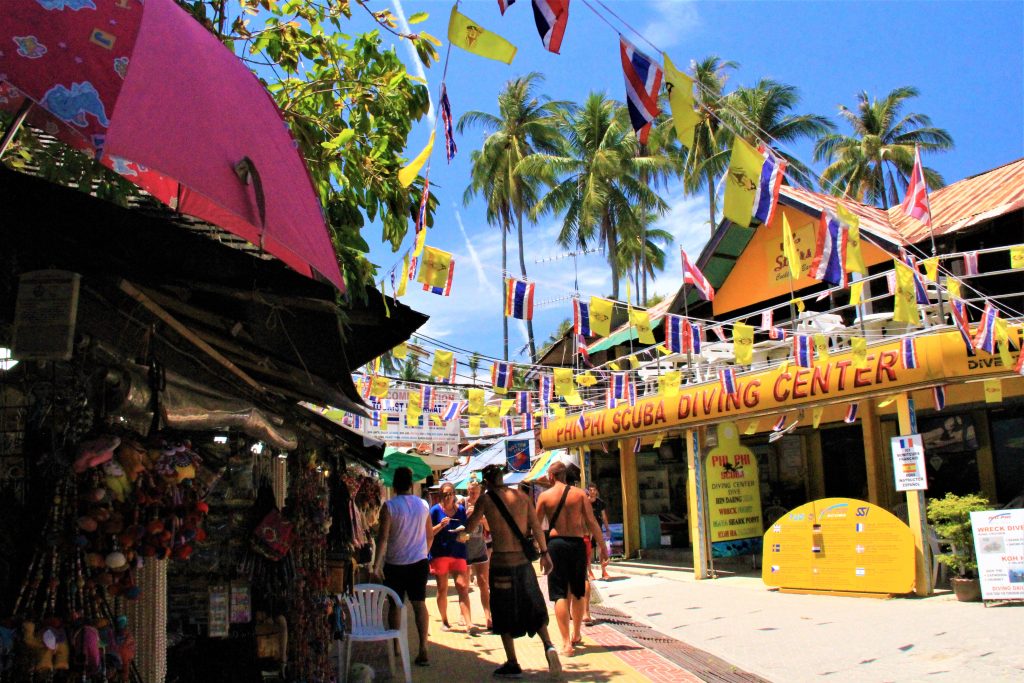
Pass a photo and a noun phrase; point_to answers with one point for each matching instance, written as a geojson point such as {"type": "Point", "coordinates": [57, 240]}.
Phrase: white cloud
{"type": "Point", "coordinates": [674, 21]}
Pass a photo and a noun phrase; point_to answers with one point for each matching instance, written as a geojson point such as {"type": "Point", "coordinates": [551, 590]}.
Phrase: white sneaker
{"type": "Point", "coordinates": [554, 664]}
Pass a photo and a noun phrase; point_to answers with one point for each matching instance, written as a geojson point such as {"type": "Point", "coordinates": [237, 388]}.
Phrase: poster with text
{"type": "Point", "coordinates": [999, 545]}
{"type": "Point", "coordinates": [734, 496]}
{"type": "Point", "coordinates": [908, 463]}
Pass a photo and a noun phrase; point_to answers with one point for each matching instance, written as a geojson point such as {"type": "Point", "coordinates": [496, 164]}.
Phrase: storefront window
{"type": "Point", "coordinates": [1007, 432]}
{"type": "Point", "coordinates": [842, 456]}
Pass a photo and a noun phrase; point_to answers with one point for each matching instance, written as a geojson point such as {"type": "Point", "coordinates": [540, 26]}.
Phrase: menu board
{"type": "Point", "coordinates": [839, 544]}
{"type": "Point", "coordinates": [999, 545]}
{"type": "Point", "coordinates": [219, 612]}
{"type": "Point", "coordinates": [734, 496]}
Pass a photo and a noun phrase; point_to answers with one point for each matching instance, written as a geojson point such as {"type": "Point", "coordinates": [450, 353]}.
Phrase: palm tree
{"type": "Point", "coordinates": [410, 371]}
{"type": "Point", "coordinates": [524, 126]}
{"type": "Point", "coordinates": [596, 177]}
{"type": "Point", "coordinates": [556, 336]}
{"type": "Point", "coordinates": [474, 365]}
{"type": "Point", "coordinates": [707, 159]}
{"type": "Point", "coordinates": [644, 261]}
{"type": "Point", "coordinates": [874, 163]}
{"type": "Point", "coordinates": [763, 113]}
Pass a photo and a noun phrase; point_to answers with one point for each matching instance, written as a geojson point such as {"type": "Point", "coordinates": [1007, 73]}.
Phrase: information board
{"type": "Point", "coordinates": [999, 545]}
{"type": "Point", "coordinates": [518, 454]}
{"type": "Point", "coordinates": [734, 496]}
{"type": "Point", "coordinates": [842, 545]}
{"type": "Point", "coordinates": [908, 463]}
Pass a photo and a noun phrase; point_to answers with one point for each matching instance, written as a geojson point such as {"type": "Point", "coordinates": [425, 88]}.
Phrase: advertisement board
{"type": "Point", "coordinates": [518, 454]}
{"type": "Point", "coordinates": [999, 545]}
{"type": "Point", "coordinates": [908, 463]}
{"type": "Point", "coordinates": [734, 496]}
{"type": "Point", "coordinates": [841, 545]}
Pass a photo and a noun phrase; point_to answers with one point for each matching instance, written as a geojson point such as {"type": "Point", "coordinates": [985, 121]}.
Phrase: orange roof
{"type": "Point", "coordinates": [954, 207]}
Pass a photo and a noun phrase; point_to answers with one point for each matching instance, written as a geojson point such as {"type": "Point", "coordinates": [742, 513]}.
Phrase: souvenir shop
{"type": "Point", "coordinates": [171, 512]}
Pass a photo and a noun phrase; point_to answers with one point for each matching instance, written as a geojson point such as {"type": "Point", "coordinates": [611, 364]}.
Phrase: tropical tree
{"type": "Point", "coordinates": [597, 178]}
{"type": "Point", "coordinates": [410, 370]}
{"type": "Point", "coordinates": [706, 160]}
{"type": "Point", "coordinates": [764, 113]}
{"type": "Point", "coordinates": [556, 336]}
{"type": "Point", "coordinates": [873, 163]}
{"type": "Point", "coordinates": [642, 254]}
{"type": "Point", "coordinates": [523, 126]}
{"type": "Point", "coordinates": [474, 365]}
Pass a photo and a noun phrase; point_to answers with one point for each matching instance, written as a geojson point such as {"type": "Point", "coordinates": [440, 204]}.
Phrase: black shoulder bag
{"type": "Point", "coordinates": [529, 546]}
{"type": "Point", "coordinates": [558, 511]}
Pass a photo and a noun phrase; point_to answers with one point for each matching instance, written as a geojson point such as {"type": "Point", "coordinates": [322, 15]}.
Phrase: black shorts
{"type": "Point", "coordinates": [408, 579]}
{"type": "Point", "coordinates": [569, 567]}
{"type": "Point", "coordinates": [517, 606]}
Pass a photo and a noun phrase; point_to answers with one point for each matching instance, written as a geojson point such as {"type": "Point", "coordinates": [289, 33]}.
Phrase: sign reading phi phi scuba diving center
{"type": "Point", "coordinates": [734, 496]}
{"type": "Point", "coordinates": [908, 463]}
{"type": "Point", "coordinates": [999, 545]}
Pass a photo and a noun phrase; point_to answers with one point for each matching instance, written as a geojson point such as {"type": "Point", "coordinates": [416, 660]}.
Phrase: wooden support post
{"type": "Point", "coordinates": [630, 498]}
{"type": "Point", "coordinates": [915, 505]}
{"type": "Point", "coordinates": [873, 453]}
{"type": "Point", "coordinates": [695, 495]}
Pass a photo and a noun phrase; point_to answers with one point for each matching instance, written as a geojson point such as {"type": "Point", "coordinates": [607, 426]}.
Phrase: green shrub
{"type": "Point", "coordinates": [951, 518]}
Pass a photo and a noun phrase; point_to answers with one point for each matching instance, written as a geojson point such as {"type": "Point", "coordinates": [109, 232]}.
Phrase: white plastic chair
{"type": "Point", "coordinates": [368, 608]}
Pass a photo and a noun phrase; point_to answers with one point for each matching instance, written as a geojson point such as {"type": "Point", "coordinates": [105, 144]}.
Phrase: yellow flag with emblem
{"type": "Point", "coordinates": [993, 391]}
{"type": "Point", "coordinates": [434, 267]}
{"type": "Point", "coordinates": [856, 292]}
{"type": "Point", "coordinates": [905, 303]}
{"type": "Point", "coordinates": [680, 101]}
{"type": "Point", "coordinates": [751, 428]}
{"type": "Point", "coordinates": [931, 268]}
{"type": "Point", "coordinates": [408, 173]}
{"type": "Point", "coordinates": [559, 411]}
{"type": "Point", "coordinates": [953, 287]}
{"type": "Point", "coordinates": [573, 399]}
{"type": "Point", "coordinates": [563, 382]}
{"type": "Point", "coordinates": [854, 255]}
{"type": "Point", "coordinates": [821, 346]}
{"type": "Point", "coordinates": [1001, 337]}
{"type": "Point", "coordinates": [403, 279]}
{"type": "Point", "coordinates": [379, 387]}
{"type": "Point", "coordinates": [465, 33]}
{"type": "Point", "coordinates": [474, 426]}
{"type": "Point", "coordinates": [859, 346]}
{"type": "Point", "coordinates": [816, 414]}
{"type": "Point", "coordinates": [1017, 257]}
{"type": "Point", "coordinates": [641, 320]}
{"type": "Point", "coordinates": [789, 248]}
{"type": "Point", "coordinates": [743, 343]}
{"type": "Point", "coordinates": [413, 408]}
{"type": "Point", "coordinates": [506, 405]}
{"type": "Point", "coordinates": [476, 401]}
{"type": "Point", "coordinates": [586, 379]}
{"type": "Point", "coordinates": [491, 416]}
{"type": "Point", "coordinates": [401, 351]}
{"type": "Point", "coordinates": [600, 316]}
{"type": "Point", "coordinates": [442, 366]}
{"type": "Point", "coordinates": [634, 363]}
{"type": "Point", "coordinates": [668, 384]}
{"type": "Point", "coordinates": [741, 182]}
{"type": "Point", "coordinates": [419, 242]}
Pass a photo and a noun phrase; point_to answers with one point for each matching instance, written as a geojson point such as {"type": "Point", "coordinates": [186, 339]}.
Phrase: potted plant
{"type": "Point", "coordinates": [950, 516]}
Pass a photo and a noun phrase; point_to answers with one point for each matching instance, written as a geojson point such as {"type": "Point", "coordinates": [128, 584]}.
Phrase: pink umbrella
{"type": "Point", "coordinates": [157, 98]}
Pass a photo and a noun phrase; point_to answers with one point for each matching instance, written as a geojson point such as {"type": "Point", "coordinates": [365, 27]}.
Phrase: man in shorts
{"type": "Point", "coordinates": [403, 538]}
{"type": "Point", "coordinates": [570, 517]}
{"type": "Point", "coordinates": [517, 605]}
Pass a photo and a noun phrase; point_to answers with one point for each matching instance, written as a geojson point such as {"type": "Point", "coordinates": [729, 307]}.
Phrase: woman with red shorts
{"type": "Point", "coordinates": [448, 554]}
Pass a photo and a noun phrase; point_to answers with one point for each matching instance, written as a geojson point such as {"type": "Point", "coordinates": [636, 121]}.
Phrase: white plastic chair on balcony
{"type": "Point", "coordinates": [368, 609]}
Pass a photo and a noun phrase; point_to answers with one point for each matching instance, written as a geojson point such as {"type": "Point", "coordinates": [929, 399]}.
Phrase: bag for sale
{"type": "Point", "coordinates": [273, 536]}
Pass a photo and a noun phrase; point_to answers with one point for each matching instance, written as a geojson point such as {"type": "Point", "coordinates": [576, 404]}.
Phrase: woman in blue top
{"type": "Point", "coordinates": [448, 554]}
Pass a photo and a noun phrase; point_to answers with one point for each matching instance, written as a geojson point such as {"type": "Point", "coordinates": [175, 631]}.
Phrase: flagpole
{"type": "Point", "coordinates": [688, 342]}
{"type": "Point", "coordinates": [931, 231]}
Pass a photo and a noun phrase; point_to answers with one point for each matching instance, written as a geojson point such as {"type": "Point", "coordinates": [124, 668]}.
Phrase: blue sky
{"type": "Point", "coordinates": [966, 58]}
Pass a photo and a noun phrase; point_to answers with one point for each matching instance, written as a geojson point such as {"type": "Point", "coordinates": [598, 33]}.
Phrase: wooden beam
{"type": "Point", "coordinates": [132, 291]}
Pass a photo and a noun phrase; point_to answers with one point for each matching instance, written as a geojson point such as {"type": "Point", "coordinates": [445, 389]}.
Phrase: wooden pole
{"type": "Point", "coordinates": [915, 505]}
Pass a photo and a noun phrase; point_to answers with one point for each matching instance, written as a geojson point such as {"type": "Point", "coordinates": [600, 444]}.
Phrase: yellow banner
{"type": "Point", "coordinates": [942, 358]}
{"type": "Point", "coordinates": [734, 494]}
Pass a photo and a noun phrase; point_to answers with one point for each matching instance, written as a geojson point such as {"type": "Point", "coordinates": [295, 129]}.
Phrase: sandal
{"type": "Point", "coordinates": [421, 660]}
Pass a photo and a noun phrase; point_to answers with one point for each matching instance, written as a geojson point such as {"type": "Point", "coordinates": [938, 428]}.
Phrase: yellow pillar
{"type": "Point", "coordinates": [873, 453]}
{"type": "Point", "coordinates": [630, 498]}
{"type": "Point", "coordinates": [695, 496]}
{"type": "Point", "coordinates": [915, 505]}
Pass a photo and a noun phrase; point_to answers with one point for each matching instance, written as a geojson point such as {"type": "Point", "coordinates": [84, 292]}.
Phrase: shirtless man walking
{"type": "Point", "coordinates": [517, 605]}
{"type": "Point", "coordinates": [570, 517]}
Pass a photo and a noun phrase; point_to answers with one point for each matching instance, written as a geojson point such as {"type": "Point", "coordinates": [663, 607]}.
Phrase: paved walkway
{"type": "Point", "coordinates": [607, 653]}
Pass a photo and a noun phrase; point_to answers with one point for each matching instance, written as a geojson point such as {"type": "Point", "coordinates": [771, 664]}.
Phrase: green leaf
{"type": "Point", "coordinates": [418, 17]}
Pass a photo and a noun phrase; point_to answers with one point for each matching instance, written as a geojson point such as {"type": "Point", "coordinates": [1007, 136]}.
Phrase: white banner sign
{"type": "Point", "coordinates": [908, 463]}
{"type": "Point", "coordinates": [999, 545]}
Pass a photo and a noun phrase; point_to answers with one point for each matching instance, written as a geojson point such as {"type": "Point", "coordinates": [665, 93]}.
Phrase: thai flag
{"type": "Point", "coordinates": [636, 445]}
{"type": "Point", "coordinates": [908, 353]}
{"type": "Point", "coordinates": [631, 394]}
{"type": "Point", "coordinates": [523, 402]}
{"type": "Point", "coordinates": [446, 119]}
{"type": "Point", "coordinates": [519, 299]}
{"type": "Point", "coordinates": [620, 385]}
{"type": "Point", "coordinates": [984, 338]}
{"type": "Point", "coordinates": [643, 81]}
{"type": "Point", "coordinates": [551, 17]}
{"type": "Point", "coordinates": [427, 397]}
{"type": "Point", "coordinates": [780, 424]}
{"type": "Point", "coordinates": [375, 417]}
{"type": "Point", "coordinates": [778, 333]}
{"type": "Point", "coordinates": [447, 289]}
{"type": "Point", "coordinates": [505, 4]}
{"type": "Point", "coordinates": [695, 335]}
{"type": "Point", "coordinates": [971, 263]}
{"type": "Point", "coordinates": [727, 378]}
{"type": "Point", "coordinates": [453, 411]}
{"type": "Point", "coordinates": [609, 398]}
{"type": "Point", "coordinates": [581, 348]}
{"type": "Point", "coordinates": [501, 375]}
{"type": "Point", "coordinates": [767, 317]}
{"type": "Point", "coordinates": [962, 323]}
{"type": "Point", "coordinates": [693, 276]}
{"type": "Point", "coordinates": [851, 413]}
{"type": "Point", "coordinates": [767, 198]}
{"type": "Point", "coordinates": [581, 421]}
{"type": "Point", "coordinates": [803, 350]}
{"type": "Point", "coordinates": [421, 215]}
{"type": "Point", "coordinates": [547, 389]}
{"type": "Point", "coordinates": [919, 290]}
{"type": "Point", "coordinates": [509, 426]}
{"type": "Point", "coordinates": [527, 422]}
{"type": "Point", "coordinates": [939, 395]}
{"type": "Point", "coordinates": [828, 264]}
{"type": "Point", "coordinates": [358, 422]}
{"type": "Point", "coordinates": [915, 202]}
{"type": "Point", "coordinates": [581, 318]}
{"type": "Point", "coordinates": [674, 331]}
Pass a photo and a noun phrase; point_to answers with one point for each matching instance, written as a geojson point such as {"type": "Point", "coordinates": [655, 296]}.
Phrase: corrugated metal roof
{"type": "Point", "coordinates": [967, 202]}
{"type": "Point", "coordinates": [872, 219]}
